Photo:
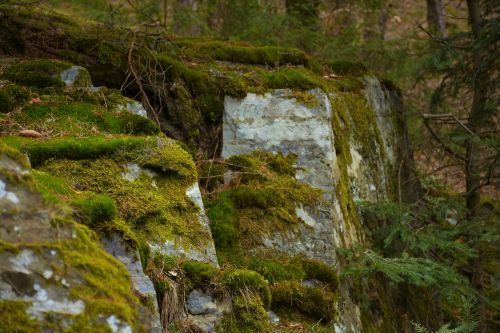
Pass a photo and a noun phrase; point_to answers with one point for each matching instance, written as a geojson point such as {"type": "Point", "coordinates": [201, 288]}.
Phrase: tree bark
{"type": "Point", "coordinates": [480, 88]}
{"type": "Point", "coordinates": [472, 165]}
{"type": "Point", "coordinates": [435, 17]}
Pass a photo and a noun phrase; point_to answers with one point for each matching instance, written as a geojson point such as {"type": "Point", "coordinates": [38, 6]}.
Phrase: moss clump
{"type": "Point", "coordinates": [314, 302]}
{"type": "Point", "coordinates": [238, 280]}
{"type": "Point", "coordinates": [153, 213]}
{"type": "Point", "coordinates": [250, 313]}
{"type": "Point", "coordinates": [95, 209]}
{"type": "Point", "coordinates": [40, 73]}
{"type": "Point", "coordinates": [344, 67]}
{"type": "Point", "coordinates": [13, 153]}
{"type": "Point", "coordinates": [15, 319]}
{"type": "Point", "coordinates": [224, 219]}
{"type": "Point", "coordinates": [82, 115]}
{"type": "Point", "coordinates": [224, 51]}
{"type": "Point", "coordinates": [315, 269]}
{"type": "Point", "coordinates": [261, 200]}
{"type": "Point", "coordinates": [199, 274]}
{"type": "Point", "coordinates": [274, 270]}
{"type": "Point", "coordinates": [158, 153]}
{"type": "Point", "coordinates": [93, 147]}
{"type": "Point", "coordinates": [292, 78]}
{"type": "Point", "coordinates": [12, 96]}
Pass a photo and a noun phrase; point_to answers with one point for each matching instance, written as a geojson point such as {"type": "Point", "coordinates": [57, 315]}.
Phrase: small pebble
{"type": "Point", "coordinates": [30, 134]}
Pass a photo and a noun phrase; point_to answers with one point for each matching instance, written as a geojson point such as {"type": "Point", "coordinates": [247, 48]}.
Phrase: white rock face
{"type": "Point", "coordinates": [70, 75]}
{"type": "Point", "coordinates": [138, 109]}
{"type": "Point", "coordinates": [9, 196]}
{"type": "Point", "coordinates": [277, 123]}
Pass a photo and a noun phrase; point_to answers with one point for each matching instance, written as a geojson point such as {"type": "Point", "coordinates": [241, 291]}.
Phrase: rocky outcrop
{"type": "Point", "coordinates": [53, 273]}
{"type": "Point", "coordinates": [299, 145]}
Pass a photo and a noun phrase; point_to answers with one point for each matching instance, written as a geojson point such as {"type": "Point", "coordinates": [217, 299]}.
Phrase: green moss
{"type": "Point", "coordinates": [153, 213]}
{"type": "Point", "coordinates": [12, 96]}
{"type": "Point", "coordinates": [13, 153]}
{"type": "Point", "coordinates": [52, 189]}
{"type": "Point", "coordinates": [107, 287]}
{"type": "Point", "coordinates": [4, 246]}
{"type": "Point", "coordinates": [315, 269]}
{"type": "Point", "coordinates": [40, 73]}
{"type": "Point", "coordinates": [261, 201]}
{"type": "Point", "coordinates": [95, 209]}
{"type": "Point", "coordinates": [79, 114]}
{"type": "Point", "coordinates": [83, 80]}
{"type": "Point", "coordinates": [238, 280]}
{"type": "Point", "coordinates": [224, 51]}
{"type": "Point", "coordinates": [250, 314]}
{"type": "Point", "coordinates": [93, 147]}
{"type": "Point", "coordinates": [223, 223]}
{"type": "Point", "coordinates": [15, 319]}
{"type": "Point", "coordinates": [274, 270]}
{"type": "Point", "coordinates": [292, 78]}
{"type": "Point", "coordinates": [158, 153]}
{"type": "Point", "coordinates": [314, 302]}
{"type": "Point", "coordinates": [200, 274]}
{"type": "Point", "coordinates": [344, 67]}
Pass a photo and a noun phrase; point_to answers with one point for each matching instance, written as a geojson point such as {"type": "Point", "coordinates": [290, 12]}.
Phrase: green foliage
{"type": "Point", "coordinates": [469, 323]}
{"type": "Point", "coordinates": [421, 272]}
{"type": "Point", "coordinates": [314, 302]}
{"type": "Point", "coordinates": [95, 209]}
{"type": "Point", "coordinates": [398, 228]}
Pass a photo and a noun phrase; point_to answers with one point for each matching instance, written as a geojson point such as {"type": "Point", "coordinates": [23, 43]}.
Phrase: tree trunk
{"type": "Point", "coordinates": [472, 165]}
{"type": "Point", "coordinates": [435, 17]}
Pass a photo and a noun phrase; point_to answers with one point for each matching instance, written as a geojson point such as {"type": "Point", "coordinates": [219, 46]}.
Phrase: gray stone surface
{"type": "Point", "coordinates": [209, 315]}
{"type": "Point", "coordinates": [199, 302]}
{"type": "Point", "coordinates": [273, 318]}
{"type": "Point", "coordinates": [70, 75]}
{"type": "Point", "coordinates": [39, 277]}
{"type": "Point", "coordinates": [137, 108]}
{"type": "Point", "coordinates": [140, 281]}
{"type": "Point", "coordinates": [277, 122]}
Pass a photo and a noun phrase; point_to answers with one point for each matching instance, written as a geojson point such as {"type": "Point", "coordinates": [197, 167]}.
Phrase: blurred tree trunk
{"type": "Point", "coordinates": [435, 17]}
{"type": "Point", "coordinates": [477, 117]}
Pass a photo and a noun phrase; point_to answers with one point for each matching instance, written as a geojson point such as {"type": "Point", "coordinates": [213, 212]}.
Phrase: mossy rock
{"type": "Point", "coordinates": [39, 73]}
{"type": "Point", "coordinates": [80, 287]}
{"type": "Point", "coordinates": [314, 302]}
{"type": "Point", "coordinates": [238, 280]}
{"type": "Point", "coordinates": [262, 200]}
{"type": "Point", "coordinates": [12, 96]}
